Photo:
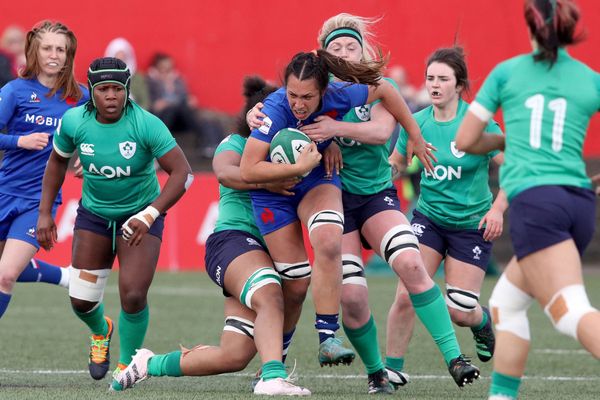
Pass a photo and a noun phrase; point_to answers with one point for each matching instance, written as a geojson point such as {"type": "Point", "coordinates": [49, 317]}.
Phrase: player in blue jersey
{"type": "Point", "coordinates": [547, 99]}
{"type": "Point", "coordinates": [317, 198]}
{"type": "Point", "coordinates": [30, 109]}
{"type": "Point", "coordinates": [237, 261]}
{"type": "Point", "coordinates": [122, 210]}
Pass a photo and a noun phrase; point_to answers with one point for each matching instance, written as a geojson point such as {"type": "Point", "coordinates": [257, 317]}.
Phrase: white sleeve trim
{"type": "Point", "coordinates": [60, 152]}
{"type": "Point", "coordinates": [480, 111]}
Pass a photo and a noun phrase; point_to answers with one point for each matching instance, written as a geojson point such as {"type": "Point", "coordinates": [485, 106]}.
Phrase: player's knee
{"type": "Point", "coordinates": [294, 293]}
{"type": "Point", "coordinates": [461, 303]}
{"type": "Point", "coordinates": [327, 247]}
{"type": "Point", "coordinates": [268, 299]}
{"type": "Point", "coordinates": [400, 240]}
{"type": "Point", "coordinates": [87, 286]}
{"type": "Point", "coordinates": [353, 271]}
{"type": "Point", "coordinates": [293, 271]}
{"type": "Point", "coordinates": [326, 218]}
{"type": "Point", "coordinates": [261, 278]}
{"type": "Point", "coordinates": [460, 318]}
{"type": "Point", "coordinates": [509, 306]}
{"type": "Point", "coordinates": [355, 302]}
{"type": "Point", "coordinates": [134, 300]}
{"type": "Point", "coordinates": [7, 280]}
{"type": "Point", "coordinates": [567, 307]}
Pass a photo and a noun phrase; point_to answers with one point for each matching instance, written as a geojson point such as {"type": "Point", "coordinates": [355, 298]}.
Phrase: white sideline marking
{"type": "Point", "coordinates": [560, 351]}
{"type": "Point", "coordinates": [327, 376]}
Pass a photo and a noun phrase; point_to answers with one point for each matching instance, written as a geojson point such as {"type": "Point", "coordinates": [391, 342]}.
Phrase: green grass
{"type": "Point", "coordinates": [43, 351]}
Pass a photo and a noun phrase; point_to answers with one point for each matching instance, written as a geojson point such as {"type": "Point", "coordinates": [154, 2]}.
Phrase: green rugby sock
{"type": "Point", "coordinates": [132, 331]}
{"type": "Point", "coordinates": [364, 340]}
{"type": "Point", "coordinates": [273, 369]}
{"type": "Point", "coordinates": [165, 364]}
{"type": "Point", "coordinates": [505, 385]}
{"type": "Point", "coordinates": [431, 309]}
{"type": "Point", "coordinates": [396, 363]}
{"type": "Point", "coordinates": [484, 320]}
{"type": "Point", "coordinates": [94, 320]}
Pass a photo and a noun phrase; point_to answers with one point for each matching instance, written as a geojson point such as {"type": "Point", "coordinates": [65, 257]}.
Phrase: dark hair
{"type": "Point", "coordinates": [454, 57]}
{"type": "Point", "coordinates": [66, 79]}
{"type": "Point", "coordinates": [319, 64]}
{"type": "Point", "coordinates": [255, 89]}
{"type": "Point", "coordinates": [552, 23]}
{"type": "Point", "coordinates": [158, 57]}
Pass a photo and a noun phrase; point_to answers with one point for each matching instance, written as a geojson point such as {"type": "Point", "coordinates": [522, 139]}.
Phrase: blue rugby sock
{"type": "Point", "coordinates": [287, 341]}
{"type": "Point", "coordinates": [4, 300]}
{"type": "Point", "coordinates": [327, 325]}
{"type": "Point", "coordinates": [41, 271]}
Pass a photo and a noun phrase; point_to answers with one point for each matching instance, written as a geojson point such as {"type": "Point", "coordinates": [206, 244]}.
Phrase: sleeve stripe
{"type": "Point", "coordinates": [480, 111]}
{"type": "Point", "coordinates": [60, 152]}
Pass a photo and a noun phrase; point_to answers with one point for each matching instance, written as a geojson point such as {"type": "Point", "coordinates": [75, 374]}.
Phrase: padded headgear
{"type": "Point", "coordinates": [108, 70]}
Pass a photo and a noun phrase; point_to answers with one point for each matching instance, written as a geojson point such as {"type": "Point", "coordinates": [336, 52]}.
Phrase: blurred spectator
{"type": "Point", "coordinates": [417, 99]}
{"type": "Point", "coordinates": [123, 50]}
{"type": "Point", "coordinates": [172, 103]}
{"type": "Point", "coordinates": [12, 53]}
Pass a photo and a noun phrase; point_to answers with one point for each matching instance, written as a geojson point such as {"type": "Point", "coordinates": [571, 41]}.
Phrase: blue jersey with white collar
{"type": "Point", "coordinates": [25, 109]}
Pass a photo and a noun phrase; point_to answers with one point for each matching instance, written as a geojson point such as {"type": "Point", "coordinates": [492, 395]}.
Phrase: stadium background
{"type": "Point", "coordinates": [215, 44]}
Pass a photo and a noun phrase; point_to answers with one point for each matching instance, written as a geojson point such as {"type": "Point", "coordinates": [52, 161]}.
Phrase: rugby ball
{"type": "Point", "coordinates": [286, 146]}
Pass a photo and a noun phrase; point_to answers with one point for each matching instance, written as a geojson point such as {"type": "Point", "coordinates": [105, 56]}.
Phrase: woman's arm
{"type": "Point", "coordinates": [471, 138]}
{"type": "Point", "coordinates": [54, 176]}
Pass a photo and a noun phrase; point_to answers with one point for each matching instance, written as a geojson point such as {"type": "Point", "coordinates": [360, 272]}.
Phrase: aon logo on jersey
{"type": "Point", "coordinates": [442, 173]}
{"type": "Point", "coordinates": [110, 172]}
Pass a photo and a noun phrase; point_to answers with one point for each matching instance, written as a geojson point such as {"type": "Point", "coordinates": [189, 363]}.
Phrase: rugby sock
{"type": "Point", "coordinates": [273, 369]}
{"type": "Point", "coordinates": [287, 341]}
{"type": "Point", "coordinates": [326, 325]}
{"type": "Point", "coordinates": [504, 385]}
{"type": "Point", "coordinates": [431, 309]}
{"type": "Point", "coordinates": [396, 363]}
{"type": "Point", "coordinates": [94, 319]}
{"type": "Point", "coordinates": [165, 364]}
{"type": "Point", "coordinates": [364, 340]}
{"type": "Point", "coordinates": [484, 320]}
{"type": "Point", "coordinates": [132, 331]}
{"type": "Point", "coordinates": [41, 271]}
{"type": "Point", "coordinates": [4, 300]}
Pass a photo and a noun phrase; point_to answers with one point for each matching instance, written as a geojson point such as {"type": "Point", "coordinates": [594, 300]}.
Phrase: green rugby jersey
{"type": "Point", "coordinates": [546, 113]}
{"type": "Point", "coordinates": [118, 159]}
{"type": "Point", "coordinates": [366, 167]}
{"type": "Point", "coordinates": [235, 206]}
{"type": "Point", "coordinates": [457, 194]}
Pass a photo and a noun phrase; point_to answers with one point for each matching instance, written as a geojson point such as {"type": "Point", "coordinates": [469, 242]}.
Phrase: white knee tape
{"type": "Point", "coordinates": [461, 299]}
{"type": "Point", "coordinates": [260, 278]}
{"type": "Point", "coordinates": [567, 307]}
{"type": "Point", "coordinates": [398, 239]}
{"type": "Point", "coordinates": [239, 325]}
{"type": "Point", "coordinates": [87, 284]}
{"type": "Point", "coordinates": [294, 271]}
{"type": "Point", "coordinates": [325, 217]}
{"type": "Point", "coordinates": [509, 305]}
{"type": "Point", "coordinates": [353, 270]}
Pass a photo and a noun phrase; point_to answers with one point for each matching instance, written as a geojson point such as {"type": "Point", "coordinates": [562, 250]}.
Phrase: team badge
{"type": "Point", "coordinates": [455, 151]}
{"type": "Point", "coordinates": [363, 112]}
{"type": "Point", "coordinates": [127, 149]}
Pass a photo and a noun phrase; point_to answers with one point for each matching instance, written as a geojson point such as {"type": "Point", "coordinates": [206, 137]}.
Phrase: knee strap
{"type": "Point", "coordinates": [461, 299]}
{"type": "Point", "coordinates": [239, 325]}
{"type": "Point", "coordinates": [353, 270]}
{"type": "Point", "coordinates": [326, 217]}
{"type": "Point", "coordinates": [87, 284]}
{"type": "Point", "coordinates": [567, 307]}
{"type": "Point", "coordinates": [258, 279]}
{"type": "Point", "coordinates": [293, 271]}
{"type": "Point", "coordinates": [398, 239]}
{"type": "Point", "coordinates": [509, 306]}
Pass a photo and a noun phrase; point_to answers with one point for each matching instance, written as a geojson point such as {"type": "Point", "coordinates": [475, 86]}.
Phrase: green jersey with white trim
{"type": "Point", "coordinates": [366, 168]}
{"type": "Point", "coordinates": [235, 206]}
{"type": "Point", "coordinates": [546, 114]}
{"type": "Point", "coordinates": [457, 194]}
{"type": "Point", "coordinates": [118, 159]}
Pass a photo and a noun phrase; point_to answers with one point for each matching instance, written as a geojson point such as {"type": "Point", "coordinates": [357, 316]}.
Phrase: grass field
{"type": "Point", "coordinates": [43, 351]}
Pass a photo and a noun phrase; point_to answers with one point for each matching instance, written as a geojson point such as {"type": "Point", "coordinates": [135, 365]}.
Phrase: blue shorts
{"type": "Point", "coordinates": [18, 218]}
{"type": "Point", "coordinates": [273, 211]}
{"type": "Point", "coordinates": [546, 215]}
{"type": "Point", "coordinates": [88, 221]}
{"type": "Point", "coordinates": [225, 246]}
{"type": "Point", "coordinates": [466, 245]}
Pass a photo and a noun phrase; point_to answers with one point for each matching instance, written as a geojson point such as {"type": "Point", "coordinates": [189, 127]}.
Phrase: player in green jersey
{"type": "Point", "coordinates": [547, 98]}
{"type": "Point", "coordinates": [454, 219]}
{"type": "Point", "coordinates": [238, 262]}
{"type": "Point", "coordinates": [122, 209]}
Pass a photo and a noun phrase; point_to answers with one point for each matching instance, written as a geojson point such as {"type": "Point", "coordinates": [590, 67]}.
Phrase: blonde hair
{"type": "Point", "coordinates": [362, 25]}
{"type": "Point", "coordinates": [66, 79]}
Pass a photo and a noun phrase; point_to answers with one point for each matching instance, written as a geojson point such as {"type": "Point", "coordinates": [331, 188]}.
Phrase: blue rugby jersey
{"type": "Point", "coordinates": [25, 109]}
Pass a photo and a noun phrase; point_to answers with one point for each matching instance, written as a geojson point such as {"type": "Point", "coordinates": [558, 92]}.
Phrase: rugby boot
{"type": "Point", "coordinates": [99, 360]}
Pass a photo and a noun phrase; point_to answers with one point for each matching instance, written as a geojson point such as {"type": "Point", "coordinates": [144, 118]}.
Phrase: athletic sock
{"type": "Point", "coordinates": [396, 363]}
{"type": "Point", "coordinates": [165, 364]}
{"type": "Point", "coordinates": [484, 320]}
{"type": "Point", "coordinates": [94, 319]}
{"type": "Point", "coordinates": [364, 340]}
{"type": "Point", "coordinates": [287, 341]}
{"type": "Point", "coordinates": [504, 385]}
{"type": "Point", "coordinates": [132, 331]}
{"type": "Point", "coordinates": [431, 309]}
{"type": "Point", "coordinates": [4, 300]}
{"type": "Point", "coordinates": [41, 271]}
{"type": "Point", "coordinates": [273, 369]}
{"type": "Point", "coordinates": [327, 325]}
